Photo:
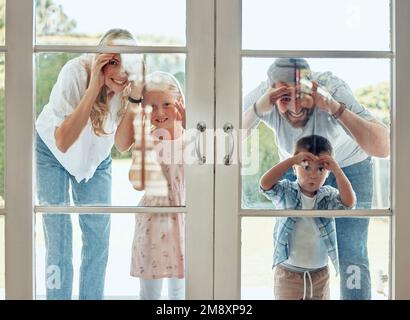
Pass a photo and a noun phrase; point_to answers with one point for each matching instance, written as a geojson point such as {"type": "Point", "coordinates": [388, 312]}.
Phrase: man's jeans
{"type": "Point", "coordinates": [53, 183]}
{"type": "Point", "coordinates": [352, 233]}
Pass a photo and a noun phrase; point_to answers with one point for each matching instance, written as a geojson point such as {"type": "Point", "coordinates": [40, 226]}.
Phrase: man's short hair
{"type": "Point", "coordinates": [284, 69]}
{"type": "Point", "coordinates": [314, 144]}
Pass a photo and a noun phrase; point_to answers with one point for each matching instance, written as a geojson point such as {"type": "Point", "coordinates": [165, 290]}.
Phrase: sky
{"type": "Point", "coordinates": [266, 25]}
{"type": "Point", "coordinates": [158, 17]}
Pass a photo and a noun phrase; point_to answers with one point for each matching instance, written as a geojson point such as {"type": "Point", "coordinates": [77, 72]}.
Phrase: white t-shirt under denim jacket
{"type": "Point", "coordinates": [304, 244]}
{"type": "Point", "coordinates": [89, 150]}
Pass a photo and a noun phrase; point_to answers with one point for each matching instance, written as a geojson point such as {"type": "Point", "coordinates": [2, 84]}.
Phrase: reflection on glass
{"type": "Point", "coordinates": [2, 132]}
{"type": "Point", "coordinates": [152, 244]}
{"type": "Point", "coordinates": [290, 113]}
{"type": "Point", "coordinates": [61, 22]}
{"type": "Point", "coordinates": [2, 262]}
{"type": "Point", "coordinates": [257, 277]}
{"type": "Point", "coordinates": [115, 176]}
{"type": "Point", "coordinates": [316, 25]}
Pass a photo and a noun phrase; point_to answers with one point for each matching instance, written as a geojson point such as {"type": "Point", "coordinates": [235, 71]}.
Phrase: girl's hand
{"type": "Point", "coordinates": [329, 163]}
{"type": "Point", "coordinates": [304, 156]}
{"type": "Point", "coordinates": [97, 75]}
{"type": "Point", "coordinates": [181, 116]}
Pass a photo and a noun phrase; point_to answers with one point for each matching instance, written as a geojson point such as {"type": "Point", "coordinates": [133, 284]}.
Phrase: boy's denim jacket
{"type": "Point", "coordinates": [286, 195]}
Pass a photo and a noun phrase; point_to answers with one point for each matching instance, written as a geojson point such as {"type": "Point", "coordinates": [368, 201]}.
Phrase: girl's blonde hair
{"type": "Point", "coordinates": [166, 82]}
{"type": "Point", "coordinates": [100, 107]}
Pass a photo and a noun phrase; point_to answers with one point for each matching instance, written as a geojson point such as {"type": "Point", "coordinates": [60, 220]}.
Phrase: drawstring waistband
{"type": "Point", "coordinates": [304, 285]}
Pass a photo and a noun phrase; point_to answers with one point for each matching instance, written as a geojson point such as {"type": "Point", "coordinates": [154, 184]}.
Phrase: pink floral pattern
{"type": "Point", "coordinates": [159, 239]}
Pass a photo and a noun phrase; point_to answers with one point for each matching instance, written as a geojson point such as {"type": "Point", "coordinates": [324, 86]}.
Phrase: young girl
{"type": "Point", "coordinates": [158, 247]}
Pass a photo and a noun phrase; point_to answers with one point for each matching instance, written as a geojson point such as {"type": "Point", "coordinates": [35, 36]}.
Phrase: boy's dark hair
{"type": "Point", "coordinates": [314, 144]}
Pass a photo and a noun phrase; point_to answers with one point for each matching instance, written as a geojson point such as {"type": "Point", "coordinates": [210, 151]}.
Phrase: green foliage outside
{"type": "Point", "coordinates": [51, 20]}
{"type": "Point", "coordinates": [268, 156]}
{"type": "Point", "coordinates": [377, 99]}
{"type": "Point", "coordinates": [48, 66]}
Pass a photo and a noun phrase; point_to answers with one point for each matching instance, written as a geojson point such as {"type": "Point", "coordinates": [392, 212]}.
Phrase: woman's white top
{"type": "Point", "coordinates": [307, 250]}
{"type": "Point", "coordinates": [89, 150]}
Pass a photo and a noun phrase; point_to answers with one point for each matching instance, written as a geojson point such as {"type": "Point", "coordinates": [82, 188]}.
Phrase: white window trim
{"type": "Point", "coordinates": [400, 151]}
{"type": "Point", "coordinates": [19, 141]}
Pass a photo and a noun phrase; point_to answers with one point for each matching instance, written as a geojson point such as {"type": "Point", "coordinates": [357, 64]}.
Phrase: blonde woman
{"type": "Point", "coordinates": [75, 134]}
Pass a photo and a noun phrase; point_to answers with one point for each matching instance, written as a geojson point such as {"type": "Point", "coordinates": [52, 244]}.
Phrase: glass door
{"type": "Point", "coordinates": [86, 229]}
{"type": "Point", "coordinates": [226, 55]}
{"type": "Point", "coordinates": [287, 71]}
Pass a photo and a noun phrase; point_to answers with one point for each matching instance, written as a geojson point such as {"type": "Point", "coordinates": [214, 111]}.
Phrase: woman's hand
{"type": "Point", "coordinates": [97, 75]}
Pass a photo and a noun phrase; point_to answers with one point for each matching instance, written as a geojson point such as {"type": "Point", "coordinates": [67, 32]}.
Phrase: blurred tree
{"type": "Point", "coordinates": [48, 66]}
{"type": "Point", "coordinates": [51, 20]}
{"type": "Point", "coordinates": [268, 157]}
{"type": "Point", "coordinates": [377, 99]}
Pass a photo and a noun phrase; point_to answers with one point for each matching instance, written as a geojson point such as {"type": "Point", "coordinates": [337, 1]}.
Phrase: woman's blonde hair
{"type": "Point", "coordinates": [166, 82]}
{"type": "Point", "coordinates": [100, 107]}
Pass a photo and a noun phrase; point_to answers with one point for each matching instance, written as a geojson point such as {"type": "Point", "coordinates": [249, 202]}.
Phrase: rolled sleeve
{"type": "Point", "coordinates": [251, 98]}
{"type": "Point", "coordinates": [278, 191]}
{"type": "Point", "coordinates": [341, 92]}
{"type": "Point", "coordinates": [335, 202]}
{"type": "Point", "coordinates": [68, 91]}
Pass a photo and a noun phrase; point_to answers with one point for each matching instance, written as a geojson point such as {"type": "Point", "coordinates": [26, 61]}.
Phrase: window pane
{"type": "Point", "coordinates": [257, 255]}
{"type": "Point", "coordinates": [61, 21]}
{"type": "Point", "coordinates": [2, 132]}
{"type": "Point", "coordinates": [48, 67]}
{"type": "Point", "coordinates": [156, 249]}
{"type": "Point", "coordinates": [2, 22]}
{"type": "Point", "coordinates": [369, 83]}
{"type": "Point", "coordinates": [316, 25]}
{"type": "Point", "coordinates": [2, 262]}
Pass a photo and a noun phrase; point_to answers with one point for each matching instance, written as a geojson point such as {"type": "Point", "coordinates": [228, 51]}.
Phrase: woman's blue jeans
{"type": "Point", "coordinates": [352, 233]}
{"type": "Point", "coordinates": [53, 183]}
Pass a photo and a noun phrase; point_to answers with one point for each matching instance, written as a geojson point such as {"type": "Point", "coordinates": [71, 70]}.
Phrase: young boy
{"type": "Point", "coordinates": [303, 245]}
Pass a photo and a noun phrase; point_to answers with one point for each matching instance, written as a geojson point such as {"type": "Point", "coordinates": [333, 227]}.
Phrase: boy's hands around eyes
{"type": "Point", "coordinates": [304, 156]}
{"type": "Point", "coordinates": [328, 162]}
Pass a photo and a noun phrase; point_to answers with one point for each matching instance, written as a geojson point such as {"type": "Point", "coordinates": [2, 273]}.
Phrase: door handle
{"type": "Point", "coordinates": [201, 127]}
{"type": "Point", "coordinates": [230, 145]}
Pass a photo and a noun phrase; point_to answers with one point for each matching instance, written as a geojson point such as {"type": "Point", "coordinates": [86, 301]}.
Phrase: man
{"type": "Point", "coordinates": [295, 103]}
